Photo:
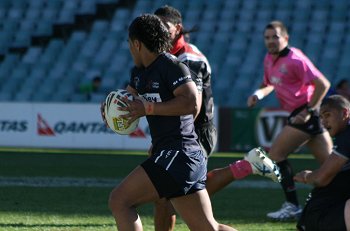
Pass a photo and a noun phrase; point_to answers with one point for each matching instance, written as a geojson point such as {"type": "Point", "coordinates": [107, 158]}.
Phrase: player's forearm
{"type": "Point", "coordinates": [184, 102]}
{"type": "Point", "coordinates": [309, 177]}
{"type": "Point", "coordinates": [321, 87]}
{"type": "Point", "coordinates": [180, 105]}
{"type": "Point", "coordinates": [325, 174]}
{"type": "Point", "coordinates": [263, 91]}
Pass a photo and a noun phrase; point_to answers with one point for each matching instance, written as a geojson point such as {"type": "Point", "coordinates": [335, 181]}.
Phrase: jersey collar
{"type": "Point", "coordinates": [284, 52]}
{"type": "Point", "coordinates": [178, 45]}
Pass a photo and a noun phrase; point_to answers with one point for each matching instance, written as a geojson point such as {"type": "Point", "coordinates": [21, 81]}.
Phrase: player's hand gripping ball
{"type": "Point", "coordinates": [114, 101]}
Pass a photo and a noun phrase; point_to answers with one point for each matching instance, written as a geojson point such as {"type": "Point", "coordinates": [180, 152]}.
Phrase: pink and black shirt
{"type": "Point", "coordinates": [291, 75]}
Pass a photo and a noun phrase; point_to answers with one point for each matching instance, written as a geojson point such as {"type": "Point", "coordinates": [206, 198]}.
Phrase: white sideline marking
{"type": "Point", "coordinates": [57, 182]}
{"type": "Point", "coordinates": [110, 183]}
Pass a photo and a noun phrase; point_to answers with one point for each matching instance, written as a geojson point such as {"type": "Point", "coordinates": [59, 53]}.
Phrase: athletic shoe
{"type": "Point", "coordinates": [288, 211]}
{"type": "Point", "coordinates": [263, 165]}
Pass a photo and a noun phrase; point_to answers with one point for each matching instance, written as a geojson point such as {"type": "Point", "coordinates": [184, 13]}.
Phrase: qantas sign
{"type": "Point", "coordinates": [13, 126]}
{"type": "Point", "coordinates": [76, 127]}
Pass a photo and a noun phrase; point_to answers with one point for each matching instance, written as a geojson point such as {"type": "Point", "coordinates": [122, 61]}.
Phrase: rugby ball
{"type": "Point", "coordinates": [114, 101]}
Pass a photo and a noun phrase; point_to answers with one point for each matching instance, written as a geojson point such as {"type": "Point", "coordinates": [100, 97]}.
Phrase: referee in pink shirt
{"type": "Point", "coordinates": [300, 88]}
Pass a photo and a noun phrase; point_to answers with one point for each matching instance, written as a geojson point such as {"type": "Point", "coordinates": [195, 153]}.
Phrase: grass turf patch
{"type": "Point", "coordinates": [28, 208]}
{"type": "Point", "coordinates": [85, 208]}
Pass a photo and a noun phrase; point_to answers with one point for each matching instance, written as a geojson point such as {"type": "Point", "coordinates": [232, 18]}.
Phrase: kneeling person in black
{"type": "Point", "coordinates": [328, 205]}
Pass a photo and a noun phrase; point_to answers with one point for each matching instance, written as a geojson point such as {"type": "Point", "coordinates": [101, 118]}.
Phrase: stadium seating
{"type": "Point", "coordinates": [52, 46]}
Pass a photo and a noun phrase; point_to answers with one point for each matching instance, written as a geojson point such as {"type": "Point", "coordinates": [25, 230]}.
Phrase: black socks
{"type": "Point", "coordinates": [287, 182]}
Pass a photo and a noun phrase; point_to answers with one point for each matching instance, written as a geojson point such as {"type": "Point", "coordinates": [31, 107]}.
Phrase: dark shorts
{"type": "Point", "coordinates": [324, 209]}
{"type": "Point", "coordinates": [207, 137]}
{"type": "Point", "coordinates": [175, 173]}
{"type": "Point", "coordinates": [313, 126]}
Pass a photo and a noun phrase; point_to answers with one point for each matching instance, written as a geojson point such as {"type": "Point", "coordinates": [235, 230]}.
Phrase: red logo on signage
{"type": "Point", "coordinates": [138, 133]}
{"type": "Point", "coordinates": [43, 128]}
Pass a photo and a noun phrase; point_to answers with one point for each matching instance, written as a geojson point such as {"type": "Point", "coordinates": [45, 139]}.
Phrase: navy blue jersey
{"type": "Point", "coordinates": [324, 209]}
{"type": "Point", "coordinates": [341, 146]}
{"type": "Point", "coordinates": [156, 83]}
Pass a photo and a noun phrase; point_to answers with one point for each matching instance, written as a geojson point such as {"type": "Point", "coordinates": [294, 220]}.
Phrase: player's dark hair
{"type": "Point", "coordinates": [336, 101]}
{"type": "Point", "coordinates": [277, 24]}
{"type": "Point", "coordinates": [172, 15]}
{"type": "Point", "coordinates": [151, 31]}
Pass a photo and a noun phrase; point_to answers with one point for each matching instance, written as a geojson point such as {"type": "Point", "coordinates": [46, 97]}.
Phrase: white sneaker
{"type": "Point", "coordinates": [288, 211]}
{"type": "Point", "coordinates": [263, 165]}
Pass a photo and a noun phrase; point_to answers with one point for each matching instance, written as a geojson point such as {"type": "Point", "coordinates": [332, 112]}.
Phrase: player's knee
{"type": "Point", "coordinates": [111, 202]}
{"type": "Point", "coordinates": [277, 154]}
{"type": "Point", "coordinates": [115, 202]}
{"type": "Point", "coordinates": [276, 157]}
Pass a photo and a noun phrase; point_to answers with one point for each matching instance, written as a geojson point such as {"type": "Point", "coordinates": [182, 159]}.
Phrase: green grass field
{"type": "Point", "coordinates": [47, 205]}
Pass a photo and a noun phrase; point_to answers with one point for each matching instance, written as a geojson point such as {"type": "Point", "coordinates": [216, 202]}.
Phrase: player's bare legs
{"type": "Point", "coordinates": [321, 146]}
{"type": "Point", "coordinates": [134, 190]}
{"type": "Point", "coordinates": [255, 161]}
{"type": "Point", "coordinates": [137, 189]}
{"type": "Point", "coordinates": [347, 215]}
{"type": "Point", "coordinates": [198, 204]}
{"type": "Point", "coordinates": [218, 178]}
{"type": "Point", "coordinates": [287, 142]}
{"type": "Point", "coordinates": [164, 215]}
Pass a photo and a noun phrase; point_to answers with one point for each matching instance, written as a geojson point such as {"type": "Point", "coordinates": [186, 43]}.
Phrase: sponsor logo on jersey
{"type": "Point", "coordinates": [275, 80]}
{"type": "Point", "coordinates": [152, 85]}
{"type": "Point", "coordinates": [283, 69]}
{"type": "Point", "coordinates": [152, 97]}
{"type": "Point", "coordinates": [181, 79]}
{"type": "Point", "coordinates": [155, 85]}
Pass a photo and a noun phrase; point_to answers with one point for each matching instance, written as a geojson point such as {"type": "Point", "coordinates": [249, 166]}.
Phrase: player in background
{"type": "Point", "coordinates": [165, 217]}
{"type": "Point", "coordinates": [328, 205]}
{"type": "Point", "coordinates": [201, 75]}
{"type": "Point", "coordinates": [300, 88]}
{"type": "Point", "coordinates": [176, 169]}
